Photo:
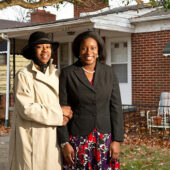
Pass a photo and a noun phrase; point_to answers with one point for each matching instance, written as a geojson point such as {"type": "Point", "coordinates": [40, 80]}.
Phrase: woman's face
{"type": "Point", "coordinates": [43, 52]}
{"type": "Point", "coordinates": [88, 51]}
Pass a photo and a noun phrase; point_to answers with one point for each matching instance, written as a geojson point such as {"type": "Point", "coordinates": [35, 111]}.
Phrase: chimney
{"type": "Point", "coordinates": [95, 5]}
{"type": "Point", "coordinates": [40, 16]}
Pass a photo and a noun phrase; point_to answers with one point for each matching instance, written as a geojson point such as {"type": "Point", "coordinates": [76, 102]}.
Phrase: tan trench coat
{"type": "Point", "coordinates": [37, 112]}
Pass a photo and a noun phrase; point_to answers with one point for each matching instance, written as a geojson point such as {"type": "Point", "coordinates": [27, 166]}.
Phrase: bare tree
{"type": "Point", "coordinates": [21, 14]}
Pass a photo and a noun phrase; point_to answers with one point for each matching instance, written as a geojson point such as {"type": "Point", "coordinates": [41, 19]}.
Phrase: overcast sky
{"type": "Point", "coordinates": [11, 13]}
{"type": "Point", "coordinates": [65, 11]}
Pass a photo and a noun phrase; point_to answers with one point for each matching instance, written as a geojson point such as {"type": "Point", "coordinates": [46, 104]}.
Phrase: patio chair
{"type": "Point", "coordinates": [160, 118]}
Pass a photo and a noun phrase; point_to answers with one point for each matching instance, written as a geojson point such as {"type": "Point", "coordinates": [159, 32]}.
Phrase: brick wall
{"type": "Point", "coordinates": [93, 6]}
{"type": "Point", "coordinates": [40, 16]}
{"type": "Point", "coordinates": [150, 69]}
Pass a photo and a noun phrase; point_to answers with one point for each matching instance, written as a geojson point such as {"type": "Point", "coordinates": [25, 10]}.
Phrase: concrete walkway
{"type": "Point", "coordinates": [4, 141]}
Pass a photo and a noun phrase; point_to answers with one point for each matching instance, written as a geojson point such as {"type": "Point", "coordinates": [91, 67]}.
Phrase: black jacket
{"type": "Point", "coordinates": [94, 106]}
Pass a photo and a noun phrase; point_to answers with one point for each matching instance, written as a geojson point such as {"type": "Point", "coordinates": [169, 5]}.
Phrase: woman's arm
{"type": "Point", "coordinates": [29, 110]}
{"type": "Point", "coordinates": [116, 120]}
{"type": "Point", "coordinates": [62, 132]}
{"type": "Point", "coordinates": [116, 112]}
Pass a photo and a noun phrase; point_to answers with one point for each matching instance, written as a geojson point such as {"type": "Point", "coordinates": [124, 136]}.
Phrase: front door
{"type": "Point", "coordinates": [119, 56]}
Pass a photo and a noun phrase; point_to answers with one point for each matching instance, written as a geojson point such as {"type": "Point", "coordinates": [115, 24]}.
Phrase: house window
{"type": "Point", "coordinates": [119, 60]}
{"type": "Point", "coordinates": [3, 59]}
{"type": "Point", "coordinates": [63, 55]}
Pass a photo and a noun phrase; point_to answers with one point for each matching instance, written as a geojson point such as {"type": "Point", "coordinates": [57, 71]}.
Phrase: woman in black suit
{"type": "Point", "coordinates": [91, 140]}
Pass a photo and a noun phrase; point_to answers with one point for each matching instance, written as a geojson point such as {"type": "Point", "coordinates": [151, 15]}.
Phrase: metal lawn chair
{"type": "Point", "coordinates": [160, 118]}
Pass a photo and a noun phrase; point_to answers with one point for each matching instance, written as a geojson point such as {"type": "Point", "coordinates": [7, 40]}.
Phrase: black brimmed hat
{"type": "Point", "coordinates": [37, 38]}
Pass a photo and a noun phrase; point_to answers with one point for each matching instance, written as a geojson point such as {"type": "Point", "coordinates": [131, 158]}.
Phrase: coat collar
{"type": "Point", "coordinates": [82, 77]}
{"type": "Point", "coordinates": [51, 68]}
{"type": "Point", "coordinates": [48, 77]}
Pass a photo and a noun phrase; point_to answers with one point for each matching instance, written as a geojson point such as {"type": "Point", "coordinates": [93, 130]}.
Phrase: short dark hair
{"type": "Point", "coordinates": [88, 34]}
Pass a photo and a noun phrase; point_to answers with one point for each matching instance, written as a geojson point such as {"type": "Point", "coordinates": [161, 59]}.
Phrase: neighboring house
{"type": "Point", "coordinates": [134, 42]}
{"type": "Point", "coordinates": [3, 62]}
{"type": "Point", "coordinates": [19, 60]}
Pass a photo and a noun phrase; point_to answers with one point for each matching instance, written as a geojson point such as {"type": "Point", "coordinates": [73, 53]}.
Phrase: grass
{"type": "Point", "coordinates": [144, 158]}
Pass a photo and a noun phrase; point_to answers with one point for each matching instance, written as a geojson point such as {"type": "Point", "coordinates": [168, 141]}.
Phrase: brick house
{"type": "Point", "coordinates": [134, 43]}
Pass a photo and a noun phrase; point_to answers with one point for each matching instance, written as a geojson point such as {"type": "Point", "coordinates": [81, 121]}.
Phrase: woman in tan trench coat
{"type": "Point", "coordinates": [37, 112]}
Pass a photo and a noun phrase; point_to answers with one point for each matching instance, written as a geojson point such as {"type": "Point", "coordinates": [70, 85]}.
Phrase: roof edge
{"type": "Point", "coordinates": [152, 18]}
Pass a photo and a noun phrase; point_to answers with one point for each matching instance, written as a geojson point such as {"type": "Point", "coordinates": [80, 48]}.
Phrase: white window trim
{"type": "Point", "coordinates": [108, 58]}
{"type": "Point", "coordinates": [125, 88]}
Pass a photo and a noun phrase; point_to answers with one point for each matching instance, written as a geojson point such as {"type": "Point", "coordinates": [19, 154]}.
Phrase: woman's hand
{"type": "Point", "coordinates": [68, 153]}
{"type": "Point", "coordinates": [114, 150]}
{"type": "Point", "coordinates": [67, 111]}
{"type": "Point", "coordinates": [67, 114]}
{"type": "Point", "coordinates": [65, 120]}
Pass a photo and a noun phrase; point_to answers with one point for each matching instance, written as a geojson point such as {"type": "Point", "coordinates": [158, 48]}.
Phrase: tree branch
{"type": "Point", "coordinates": [31, 4]}
{"type": "Point", "coordinates": [41, 3]}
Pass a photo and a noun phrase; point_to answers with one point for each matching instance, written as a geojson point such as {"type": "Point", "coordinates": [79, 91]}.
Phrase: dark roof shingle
{"type": "Point", "coordinates": [11, 24]}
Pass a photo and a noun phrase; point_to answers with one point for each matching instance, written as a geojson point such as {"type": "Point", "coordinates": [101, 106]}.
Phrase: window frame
{"type": "Point", "coordinates": [121, 62]}
{"type": "Point", "coordinates": [108, 58]}
{"type": "Point", "coordinates": [5, 59]}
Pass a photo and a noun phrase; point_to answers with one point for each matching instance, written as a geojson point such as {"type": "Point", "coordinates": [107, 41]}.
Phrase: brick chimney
{"type": "Point", "coordinates": [40, 16]}
{"type": "Point", "coordinates": [98, 5]}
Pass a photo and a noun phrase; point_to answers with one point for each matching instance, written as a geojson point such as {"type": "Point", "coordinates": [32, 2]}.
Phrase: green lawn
{"type": "Point", "coordinates": [136, 157]}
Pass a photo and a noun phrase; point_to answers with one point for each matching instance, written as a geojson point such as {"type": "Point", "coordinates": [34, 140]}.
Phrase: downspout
{"type": "Point", "coordinates": [5, 37]}
{"type": "Point", "coordinates": [13, 51]}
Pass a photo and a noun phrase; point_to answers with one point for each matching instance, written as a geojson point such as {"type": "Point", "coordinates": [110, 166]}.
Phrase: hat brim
{"type": "Point", "coordinates": [27, 50]}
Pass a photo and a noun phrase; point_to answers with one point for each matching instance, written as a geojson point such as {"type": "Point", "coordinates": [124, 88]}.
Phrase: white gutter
{"type": "Point", "coordinates": [3, 36]}
{"type": "Point", "coordinates": [152, 18]}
